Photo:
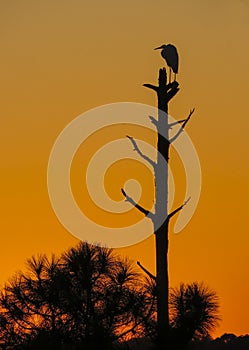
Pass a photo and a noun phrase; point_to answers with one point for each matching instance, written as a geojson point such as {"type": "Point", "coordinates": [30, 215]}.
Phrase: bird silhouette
{"type": "Point", "coordinates": [169, 53]}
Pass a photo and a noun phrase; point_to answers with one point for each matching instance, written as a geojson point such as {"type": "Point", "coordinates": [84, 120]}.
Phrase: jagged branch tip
{"type": "Point", "coordinates": [136, 205]}
{"type": "Point", "coordinates": [184, 121]}
{"type": "Point", "coordinates": [178, 209]}
{"type": "Point", "coordinates": [136, 148]}
{"type": "Point", "coordinates": [146, 271]}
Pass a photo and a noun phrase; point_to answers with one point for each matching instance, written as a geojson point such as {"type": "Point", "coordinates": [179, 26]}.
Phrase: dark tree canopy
{"type": "Point", "coordinates": [89, 298]}
{"type": "Point", "coordinates": [194, 312]}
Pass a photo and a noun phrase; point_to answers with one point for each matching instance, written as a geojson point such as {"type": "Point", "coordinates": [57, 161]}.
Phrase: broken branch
{"type": "Point", "coordinates": [136, 148]}
{"type": "Point", "coordinates": [146, 271]}
{"type": "Point", "coordinates": [177, 209]}
{"type": "Point", "coordinates": [172, 92]}
{"type": "Point", "coordinates": [178, 122]}
{"type": "Point", "coordinates": [153, 120]}
{"type": "Point", "coordinates": [182, 127]}
{"type": "Point", "coordinates": [136, 205]}
{"type": "Point", "coordinates": [150, 86]}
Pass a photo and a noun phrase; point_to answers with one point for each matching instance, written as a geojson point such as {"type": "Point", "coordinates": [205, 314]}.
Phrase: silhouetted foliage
{"type": "Point", "coordinates": [194, 312]}
{"type": "Point", "coordinates": [193, 315]}
{"type": "Point", "coordinates": [225, 342]}
{"type": "Point", "coordinates": [87, 298]}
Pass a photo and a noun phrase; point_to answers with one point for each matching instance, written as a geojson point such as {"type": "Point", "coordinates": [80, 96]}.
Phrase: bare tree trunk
{"type": "Point", "coordinates": [164, 94]}
{"type": "Point", "coordinates": [161, 211]}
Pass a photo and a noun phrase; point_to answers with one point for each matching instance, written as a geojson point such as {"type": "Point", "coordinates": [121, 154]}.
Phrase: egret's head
{"type": "Point", "coordinates": [160, 47]}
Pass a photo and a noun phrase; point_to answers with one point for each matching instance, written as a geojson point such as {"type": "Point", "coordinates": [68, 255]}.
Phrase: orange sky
{"type": "Point", "coordinates": [61, 58]}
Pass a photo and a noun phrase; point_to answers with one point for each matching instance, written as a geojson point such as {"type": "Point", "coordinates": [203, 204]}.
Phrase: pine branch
{"type": "Point", "coordinates": [172, 85]}
{"type": "Point", "coordinates": [172, 93]}
{"type": "Point", "coordinates": [177, 209]}
{"type": "Point", "coordinates": [136, 205]}
{"type": "Point", "coordinates": [150, 86]}
{"type": "Point", "coordinates": [130, 330]}
{"type": "Point", "coordinates": [153, 120]}
{"type": "Point", "coordinates": [182, 127]}
{"type": "Point", "coordinates": [136, 148]}
{"type": "Point", "coordinates": [176, 123]}
{"type": "Point", "coordinates": [146, 271]}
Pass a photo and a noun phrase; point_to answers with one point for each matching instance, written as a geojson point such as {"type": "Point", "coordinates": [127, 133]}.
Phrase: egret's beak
{"type": "Point", "coordinates": [157, 48]}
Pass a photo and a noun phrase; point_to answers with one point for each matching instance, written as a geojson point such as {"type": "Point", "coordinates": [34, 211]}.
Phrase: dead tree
{"type": "Point", "coordinates": [165, 92]}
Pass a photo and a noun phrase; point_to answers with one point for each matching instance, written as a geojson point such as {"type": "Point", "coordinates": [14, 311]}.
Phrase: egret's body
{"type": "Point", "coordinates": [169, 53]}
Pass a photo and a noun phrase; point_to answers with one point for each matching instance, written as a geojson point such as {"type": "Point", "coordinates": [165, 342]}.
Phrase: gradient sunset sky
{"type": "Point", "coordinates": [61, 58]}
